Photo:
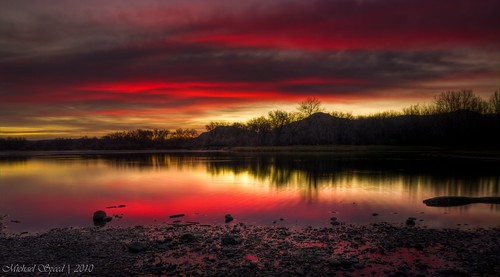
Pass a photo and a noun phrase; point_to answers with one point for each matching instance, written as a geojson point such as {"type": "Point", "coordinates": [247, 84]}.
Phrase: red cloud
{"type": "Point", "coordinates": [333, 25]}
{"type": "Point", "coordinates": [153, 57]}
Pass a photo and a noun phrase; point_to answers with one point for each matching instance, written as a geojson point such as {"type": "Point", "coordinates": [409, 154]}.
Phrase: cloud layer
{"type": "Point", "coordinates": [69, 68]}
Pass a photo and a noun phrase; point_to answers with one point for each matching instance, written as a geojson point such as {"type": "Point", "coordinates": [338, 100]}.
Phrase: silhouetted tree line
{"type": "Point", "coordinates": [124, 140]}
{"type": "Point", "coordinates": [454, 118]}
{"type": "Point", "coordinates": [13, 144]}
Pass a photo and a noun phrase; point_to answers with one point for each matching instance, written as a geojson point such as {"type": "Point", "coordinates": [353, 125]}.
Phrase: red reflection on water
{"type": "Point", "coordinates": [43, 194]}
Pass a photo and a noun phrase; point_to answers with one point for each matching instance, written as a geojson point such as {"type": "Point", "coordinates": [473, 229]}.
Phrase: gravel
{"type": "Point", "coordinates": [245, 250]}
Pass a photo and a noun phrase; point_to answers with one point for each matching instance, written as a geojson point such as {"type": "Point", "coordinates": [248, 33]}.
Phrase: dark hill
{"type": "Point", "coordinates": [460, 128]}
{"type": "Point", "coordinates": [319, 128]}
{"type": "Point", "coordinates": [227, 136]}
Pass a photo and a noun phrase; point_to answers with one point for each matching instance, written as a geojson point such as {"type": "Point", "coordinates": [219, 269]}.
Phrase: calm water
{"type": "Point", "coordinates": [61, 191]}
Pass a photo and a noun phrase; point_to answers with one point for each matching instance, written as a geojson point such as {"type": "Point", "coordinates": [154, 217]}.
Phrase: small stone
{"type": "Point", "coordinates": [374, 214]}
{"type": "Point", "coordinates": [187, 238]}
{"type": "Point", "coordinates": [168, 239]}
{"type": "Point", "coordinates": [228, 218]}
{"type": "Point", "coordinates": [229, 239]}
{"type": "Point", "coordinates": [300, 271]}
{"type": "Point", "coordinates": [136, 247]}
{"type": "Point", "coordinates": [333, 219]}
{"type": "Point", "coordinates": [346, 263]}
{"type": "Point", "coordinates": [251, 265]}
{"type": "Point", "coordinates": [334, 263]}
{"type": "Point", "coordinates": [422, 266]}
{"type": "Point", "coordinates": [177, 215]}
{"type": "Point", "coordinates": [410, 222]}
{"type": "Point", "coordinates": [419, 247]}
{"type": "Point", "coordinates": [359, 266]}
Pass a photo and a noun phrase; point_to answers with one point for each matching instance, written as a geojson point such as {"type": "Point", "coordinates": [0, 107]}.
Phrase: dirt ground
{"type": "Point", "coordinates": [245, 250]}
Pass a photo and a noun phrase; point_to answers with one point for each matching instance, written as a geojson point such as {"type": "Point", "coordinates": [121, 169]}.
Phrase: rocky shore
{"type": "Point", "coordinates": [238, 249]}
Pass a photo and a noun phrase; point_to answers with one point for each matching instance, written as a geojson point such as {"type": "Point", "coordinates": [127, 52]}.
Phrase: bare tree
{"type": "Point", "coordinates": [279, 119]}
{"type": "Point", "coordinates": [214, 124]}
{"type": "Point", "coordinates": [420, 109]}
{"type": "Point", "coordinates": [339, 114]}
{"type": "Point", "coordinates": [160, 134]}
{"type": "Point", "coordinates": [451, 101]}
{"type": "Point", "coordinates": [259, 125]}
{"type": "Point", "coordinates": [309, 107]}
{"type": "Point", "coordinates": [495, 102]}
{"type": "Point", "coordinates": [262, 126]}
{"type": "Point", "coordinates": [184, 134]}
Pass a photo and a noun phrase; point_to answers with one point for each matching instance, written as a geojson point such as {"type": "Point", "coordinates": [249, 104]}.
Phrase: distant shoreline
{"type": "Point", "coordinates": [428, 152]}
{"type": "Point", "coordinates": [33, 153]}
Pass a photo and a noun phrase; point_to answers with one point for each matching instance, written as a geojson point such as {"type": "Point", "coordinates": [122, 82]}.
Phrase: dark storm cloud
{"type": "Point", "coordinates": [60, 45]}
{"type": "Point", "coordinates": [205, 63]}
{"type": "Point", "coordinates": [80, 59]}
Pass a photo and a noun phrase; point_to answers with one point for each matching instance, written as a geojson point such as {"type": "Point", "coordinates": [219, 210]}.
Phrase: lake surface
{"type": "Point", "coordinates": [44, 192]}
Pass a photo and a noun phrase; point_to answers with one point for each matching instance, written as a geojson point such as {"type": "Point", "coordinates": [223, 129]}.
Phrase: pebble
{"type": "Point", "coordinates": [187, 238]}
{"type": "Point", "coordinates": [410, 222]}
{"type": "Point", "coordinates": [136, 247]}
{"type": "Point", "coordinates": [229, 239]}
{"type": "Point", "coordinates": [219, 250]}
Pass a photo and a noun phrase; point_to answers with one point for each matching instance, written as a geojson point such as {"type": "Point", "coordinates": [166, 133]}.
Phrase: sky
{"type": "Point", "coordinates": [87, 68]}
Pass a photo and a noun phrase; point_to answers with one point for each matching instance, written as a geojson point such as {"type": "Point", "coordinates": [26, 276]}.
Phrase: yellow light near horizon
{"type": "Point", "coordinates": [31, 132]}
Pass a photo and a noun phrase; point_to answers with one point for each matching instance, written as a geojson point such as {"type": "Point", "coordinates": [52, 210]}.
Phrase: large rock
{"type": "Point", "coordinates": [228, 218]}
{"type": "Point", "coordinates": [100, 218]}
{"type": "Point", "coordinates": [450, 201]}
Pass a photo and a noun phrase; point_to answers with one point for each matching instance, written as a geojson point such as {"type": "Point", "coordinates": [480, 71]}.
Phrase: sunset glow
{"type": "Point", "coordinates": [205, 189]}
{"type": "Point", "coordinates": [72, 69]}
